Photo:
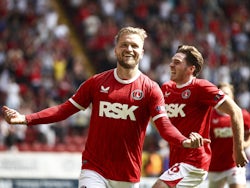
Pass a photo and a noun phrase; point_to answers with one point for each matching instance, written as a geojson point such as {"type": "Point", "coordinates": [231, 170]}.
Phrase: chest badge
{"type": "Point", "coordinates": [186, 94]}
{"type": "Point", "coordinates": [137, 94]}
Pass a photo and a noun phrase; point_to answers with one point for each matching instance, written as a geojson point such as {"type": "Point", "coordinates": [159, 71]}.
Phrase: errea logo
{"type": "Point", "coordinates": [117, 110]}
{"type": "Point", "coordinates": [175, 110]}
{"type": "Point", "coordinates": [104, 90]}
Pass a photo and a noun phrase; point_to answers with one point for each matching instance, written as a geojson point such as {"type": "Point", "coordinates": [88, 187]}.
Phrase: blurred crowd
{"type": "Point", "coordinates": [38, 67]}
{"type": "Point", "coordinates": [219, 29]}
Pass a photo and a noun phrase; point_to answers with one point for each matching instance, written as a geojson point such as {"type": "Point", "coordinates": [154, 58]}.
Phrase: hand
{"type": "Point", "coordinates": [195, 140]}
{"type": "Point", "coordinates": [240, 157]}
{"type": "Point", "coordinates": [12, 116]}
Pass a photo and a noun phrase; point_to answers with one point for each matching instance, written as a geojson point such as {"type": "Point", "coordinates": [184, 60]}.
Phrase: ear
{"type": "Point", "coordinates": [192, 68]}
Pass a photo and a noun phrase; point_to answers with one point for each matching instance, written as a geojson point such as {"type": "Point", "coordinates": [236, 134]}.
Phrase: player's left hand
{"type": "Point", "coordinates": [195, 140]}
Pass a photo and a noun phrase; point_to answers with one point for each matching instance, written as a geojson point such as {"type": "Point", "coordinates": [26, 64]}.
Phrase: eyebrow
{"type": "Point", "coordinates": [176, 59]}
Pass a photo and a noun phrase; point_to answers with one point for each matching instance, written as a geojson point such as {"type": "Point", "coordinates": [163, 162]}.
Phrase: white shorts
{"type": "Point", "coordinates": [91, 179]}
{"type": "Point", "coordinates": [234, 175]}
{"type": "Point", "coordinates": [183, 175]}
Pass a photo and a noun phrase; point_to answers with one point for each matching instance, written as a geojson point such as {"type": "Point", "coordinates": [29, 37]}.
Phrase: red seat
{"type": "Point", "coordinates": [36, 146]}
{"type": "Point", "coordinates": [73, 148]}
{"type": "Point", "coordinates": [47, 148]}
{"type": "Point", "coordinates": [3, 147]}
{"type": "Point", "coordinates": [30, 135]}
{"type": "Point", "coordinates": [60, 147]}
{"type": "Point", "coordinates": [24, 147]}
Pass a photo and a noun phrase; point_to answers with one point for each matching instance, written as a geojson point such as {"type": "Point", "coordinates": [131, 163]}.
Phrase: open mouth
{"type": "Point", "coordinates": [128, 57]}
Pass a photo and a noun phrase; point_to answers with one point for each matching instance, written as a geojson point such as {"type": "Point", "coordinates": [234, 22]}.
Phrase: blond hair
{"type": "Point", "coordinates": [131, 30]}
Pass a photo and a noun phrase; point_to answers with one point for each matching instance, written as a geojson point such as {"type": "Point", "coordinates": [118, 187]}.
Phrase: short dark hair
{"type": "Point", "coordinates": [193, 57]}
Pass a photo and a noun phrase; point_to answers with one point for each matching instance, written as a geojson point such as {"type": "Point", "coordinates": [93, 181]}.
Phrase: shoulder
{"type": "Point", "coordinates": [149, 86]}
{"type": "Point", "coordinates": [202, 82]}
{"type": "Point", "coordinates": [103, 74]}
{"type": "Point", "coordinates": [146, 80]}
{"type": "Point", "coordinates": [101, 77]}
{"type": "Point", "coordinates": [168, 84]}
{"type": "Point", "coordinates": [205, 86]}
{"type": "Point", "coordinates": [96, 79]}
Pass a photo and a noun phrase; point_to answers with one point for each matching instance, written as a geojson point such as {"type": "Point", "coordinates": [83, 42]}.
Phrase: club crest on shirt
{"type": "Point", "coordinates": [137, 94]}
{"type": "Point", "coordinates": [104, 90]}
{"type": "Point", "coordinates": [186, 94]}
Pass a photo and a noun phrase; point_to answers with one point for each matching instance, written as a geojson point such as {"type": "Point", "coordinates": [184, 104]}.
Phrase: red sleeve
{"type": "Point", "coordinates": [169, 132]}
{"type": "Point", "coordinates": [52, 114]}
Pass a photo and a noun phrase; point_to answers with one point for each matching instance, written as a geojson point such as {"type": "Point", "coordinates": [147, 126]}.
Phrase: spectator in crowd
{"type": "Point", "coordinates": [33, 44]}
{"type": "Point", "coordinates": [220, 29]}
{"type": "Point", "coordinates": [226, 172]}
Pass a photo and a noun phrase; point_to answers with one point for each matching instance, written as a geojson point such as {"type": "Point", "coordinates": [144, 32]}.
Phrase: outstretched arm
{"type": "Point", "coordinates": [48, 115]}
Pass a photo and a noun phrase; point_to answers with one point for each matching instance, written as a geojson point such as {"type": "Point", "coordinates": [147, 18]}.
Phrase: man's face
{"type": "Point", "coordinates": [129, 50]}
{"type": "Point", "coordinates": [180, 71]}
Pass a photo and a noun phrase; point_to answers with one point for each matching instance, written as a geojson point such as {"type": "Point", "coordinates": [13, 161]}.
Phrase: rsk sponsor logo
{"type": "Point", "coordinates": [175, 110]}
{"type": "Point", "coordinates": [117, 110]}
{"type": "Point", "coordinates": [225, 132]}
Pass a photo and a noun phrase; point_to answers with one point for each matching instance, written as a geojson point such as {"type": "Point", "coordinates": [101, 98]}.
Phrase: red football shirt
{"type": "Point", "coordinates": [121, 110]}
{"type": "Point", "coordinates": [222, 140]}
{"type": "Point", "coordinates": [189, 109]}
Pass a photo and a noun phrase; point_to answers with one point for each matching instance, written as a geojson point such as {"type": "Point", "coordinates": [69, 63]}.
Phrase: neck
{"type": "Point", "coordinates": [187, 82]}
{"type": "Point", "coordinates": [126, 74]}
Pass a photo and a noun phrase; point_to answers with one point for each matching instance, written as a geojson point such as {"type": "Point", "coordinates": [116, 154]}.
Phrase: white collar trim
{"type": "Point", "coordinates": [126, 81]}
{"type": "Point", "coordinates": [186, 84]}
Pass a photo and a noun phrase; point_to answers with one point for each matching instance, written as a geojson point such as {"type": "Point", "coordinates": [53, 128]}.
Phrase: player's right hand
{"type": "Point", "coordinates": [240, 157]}
{"type": "Point", "coordinates": [11, 116]}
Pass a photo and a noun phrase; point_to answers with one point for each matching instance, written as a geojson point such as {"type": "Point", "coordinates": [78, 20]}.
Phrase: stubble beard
{"type": "Point", "coordinates": [127, 65]}
{"type": "Point", "coordinates": [173, 77]}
